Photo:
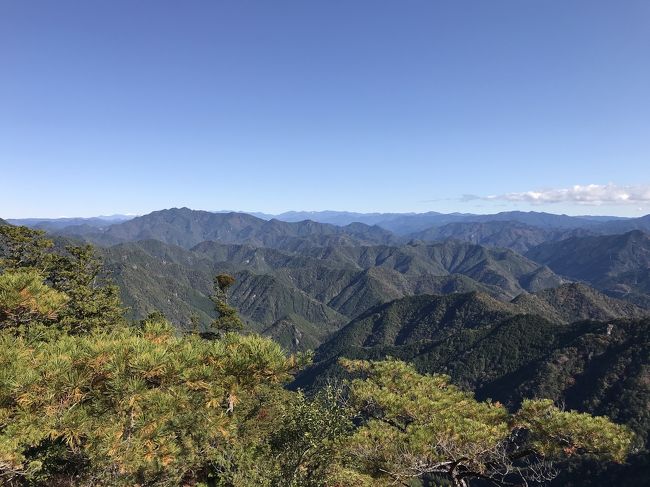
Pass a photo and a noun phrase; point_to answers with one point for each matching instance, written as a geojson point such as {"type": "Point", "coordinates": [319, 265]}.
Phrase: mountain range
{"type": "Point", "coordinates": [300, 281]}
{"type": "Point", "coordinates": [311, 291]}
{"type": "Point", "coordinates": [407, 223]}
{"type": "Point", "coordinates": [511, 306]}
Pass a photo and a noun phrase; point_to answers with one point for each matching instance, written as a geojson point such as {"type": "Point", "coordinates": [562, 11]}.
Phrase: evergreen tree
{"type": "Point", "coordinates": [140, 406]}
{"type": "Point", "coordinates": [93, 301]}
{"type": "Point", "coordinates": [422, 427]}
{"type": "Point", "coordinates": [24, 248]}
{"type": "Point", "coordinates": [227, 319]}
{"type": "Point", "coordinates": [25, 299]}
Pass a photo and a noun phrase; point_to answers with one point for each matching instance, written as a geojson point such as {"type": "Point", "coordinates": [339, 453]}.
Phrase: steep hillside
{"type": "Point", "coordinates": [158, 277]}
{"type": "Point", "coordinates": [598, 366]}
{"type": "Point", "coordinates": [264, 299]}
{"type": "Point", "coordinates": [429, 318]}
{"type": "Point", "coordinates": [316, 289]}
{"type": "Point", "coordinates": [413, 319]}
{"type": "Point", "coordinates": [503, 268]}
{"type": "Point", "coordinates": [619, 265]}
{"type": "Point", "coordinates": [574, 302]}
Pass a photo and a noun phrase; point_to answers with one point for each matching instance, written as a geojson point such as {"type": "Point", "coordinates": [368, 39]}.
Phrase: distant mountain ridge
{"type": "Point", "coordinates": [303, 280]}
{"type": "Point", "coordinates": [401, 224]}
{"type": "Point", "coordinates": [619, 265]}
{"type": "Point", "coordinates": [57, 224]}
{"type": "Point", "coordinates": [186, 228]}
{"type": "Point", "coordinates": [407, 223]}
{"type": "Point", "coordinates": [516, 230]}
{"type": "Point", "coordinates": [506, 234]}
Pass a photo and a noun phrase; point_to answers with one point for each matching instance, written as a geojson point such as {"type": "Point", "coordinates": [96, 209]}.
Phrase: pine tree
{"type": "Point", "coordinates": [144, 406]}
{"type": "Point", "coordinates": [227, 319]}
{"type": "Point", "coordinates": [422, 427]}
{"type": "Point", "coordinates": [25, 299]}
{"type": "Point", "coordinates": [93, 301]}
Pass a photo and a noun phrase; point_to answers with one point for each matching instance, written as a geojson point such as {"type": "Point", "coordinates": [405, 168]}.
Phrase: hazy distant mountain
{"type": "Point", "coordinates": [627, 225]}
{"type": "Point", "coordinates": [545, 220]}
{"type": "Point", "coordinates": [3, 222]}
{"type": "Point", "coordinates": [619, 265]}
{"type": "Point", "coordinates": [399, 223]}
{"type": "Point", "coordinates": [406, 223]}
{"type": "Point", "coordinates": [58, 224]}
{"type": "Point", "coordinates": [506, 234]}
{"type": "Point", "coordinates": [519, 231]}
{"type": "Point", "coordinates": [186, 228]}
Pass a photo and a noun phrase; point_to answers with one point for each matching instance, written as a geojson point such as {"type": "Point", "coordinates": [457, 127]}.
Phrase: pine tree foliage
{"type": "Point", "coordinates": [93, 301]}
{"type": "Point", "coordinates": [24, 299]}
{"type": "Point", "coordinates": [22, 247]}
{"type": "Point", "coordinates": [308, 440]}
{"type": "Point", "coordinates": [74, 271]}
{"type": "Point", "coordinates": [227, 319]}
{"type": "Point", "coordinates": [420, 426]}
{"type": "Point", "coordinates": [132, 406]}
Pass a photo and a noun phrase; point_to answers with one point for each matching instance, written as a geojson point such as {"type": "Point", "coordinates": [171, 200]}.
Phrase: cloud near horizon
{"type": "Point", "coordinates": [590, 194]}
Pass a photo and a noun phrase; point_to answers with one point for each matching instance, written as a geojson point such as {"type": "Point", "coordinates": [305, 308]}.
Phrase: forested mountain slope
{"type": "Point", "coordinates": [429, 318]}
{"type": "Point", "coordinates": [619, 265]}
{"type": "Point", "coordinates": [310, 292]}
{"type": "Point", "coordinates": [490, 347]}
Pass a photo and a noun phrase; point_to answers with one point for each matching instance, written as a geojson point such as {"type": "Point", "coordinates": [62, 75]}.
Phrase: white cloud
{"type": "Point", "coordinates": [589, 194]}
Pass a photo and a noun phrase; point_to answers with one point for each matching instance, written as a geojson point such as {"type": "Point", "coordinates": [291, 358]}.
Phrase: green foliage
{"type": "Point", "coordinates": [22, 247]}
{"type": "Point", "coordinates": [418, 426]}
{"type": "Point", "coordinates": [308, 441]}
{"type": "Point", "coordinates": [227, 319]}
{"type": "Point", "coordinates": [554, 432]}
{"type": "Point", "coordinates": [74, 272]}
{"type": "Point", "coordinates": [135, 406]}
{"type": "Point", "coordinates": [24, 298]}
{"type": "Point", "coordinates": [126, 406]}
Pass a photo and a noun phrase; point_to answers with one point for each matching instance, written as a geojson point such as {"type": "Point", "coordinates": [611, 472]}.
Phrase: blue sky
{"type": "Point", "coordinates": [127, 107]}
